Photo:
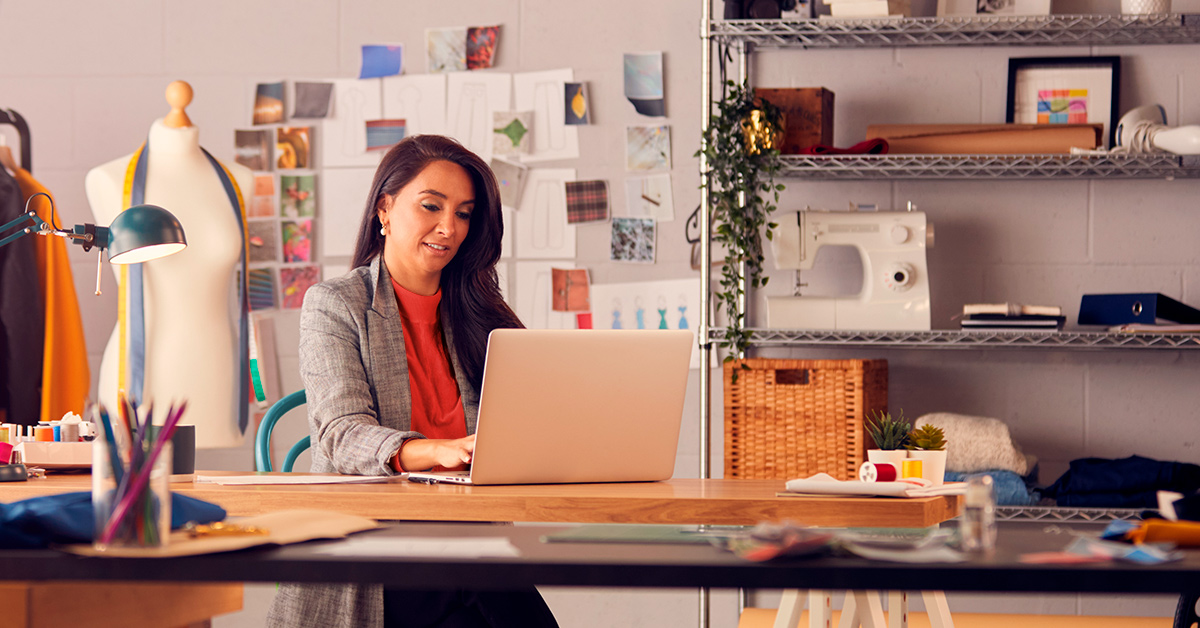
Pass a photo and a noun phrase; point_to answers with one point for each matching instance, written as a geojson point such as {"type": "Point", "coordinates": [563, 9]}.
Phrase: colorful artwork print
{"type": "Point", "coordinates": [511, 132]}
{"type": "Point", "coordinates": [481, 46]}
{"type": "Point", "coordinates": [384, 134]}
{"type": "Point", "coordinates": [297, 240]}
{"type": "Point", "coordinates": [446, 49]}
{"type": "Point", "coordinates": [1062, 106]}
{"type": "Point", "coordinates": [644, 83]}
{"type": "Point", "coordinates": [268, 103]}
{"type": "Point", "coordinates": [262, 288]}
{"type": "Point", "coordinates": [587, 201]}
{"type": "Point", "coordinates": [252, 149]}
{"type": "Point", "coordinates": [297, 197]}
{"type": "Point", "coordinates": [263, 240]}
{"type": "Point", "coordinates": [379, 61]}
{"type": "Point", "coordinates": [292, 147]}
{"type": "Point", "coordinates": [262, 204]}
{"type": "Point", "coordinates": [576, 110]}
{"type": "Point", "coordinates": [294, 282]}
{"type": "Point", "coordinates": [632, 240]}
{"type": "Point", "coordinates": [648, 147]}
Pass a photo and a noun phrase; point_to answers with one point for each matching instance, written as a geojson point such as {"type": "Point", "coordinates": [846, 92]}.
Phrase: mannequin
{"type": "Point", "coordinates": [191, 304]}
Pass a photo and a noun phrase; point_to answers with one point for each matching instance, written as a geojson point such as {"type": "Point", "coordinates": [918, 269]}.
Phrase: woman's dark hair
{"type": "Point", "coordinates": [471, 300]}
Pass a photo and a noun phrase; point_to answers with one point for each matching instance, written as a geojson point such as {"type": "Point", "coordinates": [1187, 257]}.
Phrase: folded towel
{"type": "Point", "coordinates": [975, 443]}
{"type": "Point", "coordinates": [1008, 488]}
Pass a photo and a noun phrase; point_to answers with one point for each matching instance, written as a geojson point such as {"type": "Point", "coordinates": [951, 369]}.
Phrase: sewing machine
{"type": "Point", "coordinates": [895, 283]}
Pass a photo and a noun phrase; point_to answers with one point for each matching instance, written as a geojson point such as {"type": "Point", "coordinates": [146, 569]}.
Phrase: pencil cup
{"type": "Point", "coordinates": [130, 510]}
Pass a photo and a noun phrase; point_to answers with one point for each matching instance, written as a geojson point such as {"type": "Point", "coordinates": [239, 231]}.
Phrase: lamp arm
{"type": "Point", "coordinates": [25, 224]}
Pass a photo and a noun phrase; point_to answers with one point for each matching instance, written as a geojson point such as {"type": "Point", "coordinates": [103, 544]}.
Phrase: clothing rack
{"type": "Point", "coordinates": [8, 116]}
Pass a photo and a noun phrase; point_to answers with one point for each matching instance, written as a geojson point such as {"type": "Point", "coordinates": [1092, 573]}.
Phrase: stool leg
{"type": "Point", "coordinates": [870, 609]}
{"type": "Point", "coordinates": [939, 611]}
{"type": "Point", "coordinates": [790, 606]}
{"type": "Point", "coordinates": [1185, 612]}
{"type": "Point", "coordinates": [820, 609]}
{"type": "Point", "coordinates": [850, 612]}
{"type": "Point", "coordinates": [897, 609]}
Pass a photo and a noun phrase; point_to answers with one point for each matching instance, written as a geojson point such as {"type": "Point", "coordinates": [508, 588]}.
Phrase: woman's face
{"type": "Point", "coordinates": [425, 223]}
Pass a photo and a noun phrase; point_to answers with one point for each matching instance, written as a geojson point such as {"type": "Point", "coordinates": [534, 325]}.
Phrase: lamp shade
{"type": "Point", "coordinates": [142, 233]}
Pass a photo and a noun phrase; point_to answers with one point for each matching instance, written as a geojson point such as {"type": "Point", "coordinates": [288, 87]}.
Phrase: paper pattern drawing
{"type": "Point", "coordinates": [668, 304]}
{"type": "Point", "coordinates": [294, 282]}
{"type": "Point", "coordinates": [268, 103]}
{"type": "Point", "coordinates": [446, 49]}
{"type": "Point", "coordinates": [534, 295]}
{"type": "Point", "coordinates": [644, 83]}
{"type": "Point", "coordinates": [543, 93]}
{"type": "Point", "coordinates": [650, 197]}
{"type": "Point", "coordinates": [252, 148]}
{"type": "Point", "coordinates": [311, 100]}
{"type": "Point", "coordinates": [343, 193]}
{"type": "Point", "coordinates": [381, 60]}
{"type": "Point", "coordinates": [648, 147]}
{"type": "Point", "coordinates": [343, 142]}
{"type": "Point", "coordinates": [292, 147]}
{"type": "Point", "coordinates": [587, 201]}
{"type": "Point", "coordinates": [510, 176]}
{"type": "Point", "coordinates": [542, 229]}
{"type": "Point", "coordinates": [297, 197]}
{"type": "Point", "coordinates": [481, 46]}
{"type": "Point", "coordinates": [419, 100]}
{"type": "Point", "coordinates": [506, 241]}
{"type": "Point", "coordinates": [575, 106]}
{"type": "Point", "coordinates": [384, 134]}
{"type": "Point", "coordinates": [633, 240]}
{"type": "Point", "coordinates": [471, 99]}
{"type": "Point", "coordinates": [510, 132]}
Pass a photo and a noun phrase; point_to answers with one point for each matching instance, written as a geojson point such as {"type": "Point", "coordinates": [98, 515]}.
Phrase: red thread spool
{"type": "Point", "coordinates": [878, 472]}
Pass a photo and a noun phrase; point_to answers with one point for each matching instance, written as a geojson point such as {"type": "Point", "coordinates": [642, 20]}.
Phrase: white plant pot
{"type": "Point", "coordinates": [894, 456]}
{"type": "Point", "coordinates": [933, 464]}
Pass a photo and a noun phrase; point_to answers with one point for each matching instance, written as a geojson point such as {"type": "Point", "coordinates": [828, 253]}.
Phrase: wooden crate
{"type": "Point", "coordinates": [787, 419]}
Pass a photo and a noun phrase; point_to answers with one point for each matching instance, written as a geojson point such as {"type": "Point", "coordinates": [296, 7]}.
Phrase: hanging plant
{"type": "Point", "coordinates": [740, 145]}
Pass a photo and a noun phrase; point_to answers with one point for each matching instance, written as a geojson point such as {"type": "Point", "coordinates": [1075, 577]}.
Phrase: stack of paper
{"type": "Point", "coordinates": [1012, 317]}
{"type": "Point", "coordinates": [868, 8]}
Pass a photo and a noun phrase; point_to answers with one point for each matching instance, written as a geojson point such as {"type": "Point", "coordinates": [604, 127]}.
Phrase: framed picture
{"type": "Point", "coordinates": [1064, 90]}
{"type": "Point", "coordinates": [1012, 7]}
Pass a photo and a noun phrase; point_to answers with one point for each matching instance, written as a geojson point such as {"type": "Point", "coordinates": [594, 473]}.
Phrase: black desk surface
{"type": "Point", "coordinates": [627, 565]}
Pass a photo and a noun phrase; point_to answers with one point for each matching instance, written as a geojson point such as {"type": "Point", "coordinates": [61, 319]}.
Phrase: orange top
{"type": "Point", "coordinates": [66, 377]}
{"type": "Point", "coordinates": [437, 410]}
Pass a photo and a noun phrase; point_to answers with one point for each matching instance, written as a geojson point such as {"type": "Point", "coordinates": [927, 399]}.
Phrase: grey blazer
{"type": "Point", "coordinates": [355, 372]}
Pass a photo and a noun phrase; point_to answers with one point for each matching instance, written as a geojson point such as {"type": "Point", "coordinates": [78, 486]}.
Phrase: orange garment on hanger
{"type": "Point", "coordinates": [66, 377]}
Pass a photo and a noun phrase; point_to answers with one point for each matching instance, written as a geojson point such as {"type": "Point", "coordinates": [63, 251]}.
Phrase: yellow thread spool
{"type": "Point", "coordinates": [910, 469]}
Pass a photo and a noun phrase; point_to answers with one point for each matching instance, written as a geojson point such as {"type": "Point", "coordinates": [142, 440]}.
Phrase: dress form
{"type": "Point", "coordinates": [190, 298]}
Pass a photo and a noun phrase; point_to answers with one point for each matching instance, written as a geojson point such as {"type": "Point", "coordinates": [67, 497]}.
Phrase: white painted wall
{"type": "Point", "coordinates": [90, 77]}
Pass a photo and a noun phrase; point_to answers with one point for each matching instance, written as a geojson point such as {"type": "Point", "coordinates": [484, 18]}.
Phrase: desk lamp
{"type": "Point", "coordinates": [1143, 129]}
{"type": "Point", "coordinates": [138, 234]}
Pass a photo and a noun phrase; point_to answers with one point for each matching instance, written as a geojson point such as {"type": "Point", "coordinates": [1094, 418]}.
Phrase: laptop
{"type": "Point", "coordinates": [572, 406]}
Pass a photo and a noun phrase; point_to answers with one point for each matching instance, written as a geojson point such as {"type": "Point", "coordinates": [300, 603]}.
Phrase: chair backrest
{"type": "Point", "coordinates": [262, 440]}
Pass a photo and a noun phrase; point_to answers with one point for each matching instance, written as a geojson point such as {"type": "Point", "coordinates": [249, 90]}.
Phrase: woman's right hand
{"type": "Point", "coordinates": [418, 454]}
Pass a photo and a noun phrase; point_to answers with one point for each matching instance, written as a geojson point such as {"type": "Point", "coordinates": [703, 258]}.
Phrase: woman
{"type": "Point", "coordinates": [392, 359]}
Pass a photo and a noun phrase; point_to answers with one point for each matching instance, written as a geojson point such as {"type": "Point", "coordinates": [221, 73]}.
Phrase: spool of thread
{"type": "Point", "coordinates": [57, 433]}
{"type": "Point", "coordinates": [911, 469]}
{"type": "Point", "coordinates": [4, 434]}
{"type": "Point", "coordinates": [44, 434]}
{"type": "Point", "coordinates": [878, 472]}
{"type": "Point", "coordinates": [70, 432]}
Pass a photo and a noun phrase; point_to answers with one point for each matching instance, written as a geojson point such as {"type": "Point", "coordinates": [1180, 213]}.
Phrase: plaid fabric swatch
{"type": "Point", "coordinates": [587, 201]}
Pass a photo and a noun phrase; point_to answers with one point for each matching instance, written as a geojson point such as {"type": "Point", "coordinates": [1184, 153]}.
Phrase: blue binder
{"type": "Point", "coordinates": [1140, 307]}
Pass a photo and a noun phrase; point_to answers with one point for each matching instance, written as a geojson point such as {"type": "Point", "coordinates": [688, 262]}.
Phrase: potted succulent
{"type": "Point", "coordinates": [890, 436]}
{"type": "Point", "coordinates": [928, 444]}
{"type": "Point", "coordinates": [739, 145]}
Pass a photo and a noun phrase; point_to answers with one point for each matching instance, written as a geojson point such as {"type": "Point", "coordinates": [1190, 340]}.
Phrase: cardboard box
{"type": "Point", "coordinates": [807, 116]}
{"type": "Point", "coordinates": [986, 139]}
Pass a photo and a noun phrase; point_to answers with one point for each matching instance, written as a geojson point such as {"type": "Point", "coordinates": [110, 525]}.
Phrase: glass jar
{"type": "Point", "coordinates": [144, 507]}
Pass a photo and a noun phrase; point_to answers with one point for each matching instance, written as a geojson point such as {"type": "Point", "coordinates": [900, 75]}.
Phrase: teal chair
{"type": "Point", "coordinates": [262, 440]}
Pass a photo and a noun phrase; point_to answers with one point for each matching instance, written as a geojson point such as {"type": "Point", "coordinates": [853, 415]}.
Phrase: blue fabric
{"type": "Point", "coordinates": [67, 518]}
{"type": "Point", "coordinates": [1131, 482]}
{"type": "Point", "coordinates": [1008, 487]}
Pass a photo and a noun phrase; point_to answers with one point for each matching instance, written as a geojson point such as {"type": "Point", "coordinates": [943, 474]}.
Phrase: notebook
{"type": "Point", "coordinates": [571, 406]}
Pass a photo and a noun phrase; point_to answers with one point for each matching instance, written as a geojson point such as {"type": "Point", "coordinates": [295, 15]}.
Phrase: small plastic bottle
{"type": "Point", "coordinates": [978, 528]}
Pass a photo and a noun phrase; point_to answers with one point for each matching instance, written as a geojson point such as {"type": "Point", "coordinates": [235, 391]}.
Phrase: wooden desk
{"type": "Point", "coordinates": [680, 501]}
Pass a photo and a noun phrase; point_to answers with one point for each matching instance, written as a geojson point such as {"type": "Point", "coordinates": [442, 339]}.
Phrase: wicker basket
{"type": "Point", "coordinates": [788, 419]}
